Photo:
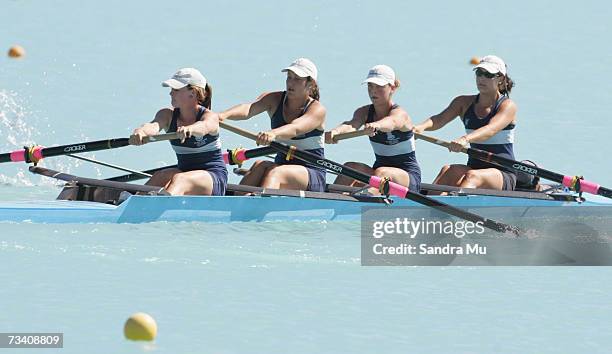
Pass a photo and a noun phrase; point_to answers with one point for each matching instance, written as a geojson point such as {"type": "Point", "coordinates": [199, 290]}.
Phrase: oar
{"type": "Point", "coordinates": [37, 153]}
{"type": "Point", "coordinates": [138, 175]}
{"type": "Point", "coordinates": [350, 135]}
{"type": "Point", "coordinates": [116, 167]}
{"type": "Point", "coordinates": [230, 157]}
{"type": "Point", "coordinates": [383, 184]}
{"type": "Point", "coordinates": [575, 183]}
{"type": "Point", "coordinates": [238, 156]}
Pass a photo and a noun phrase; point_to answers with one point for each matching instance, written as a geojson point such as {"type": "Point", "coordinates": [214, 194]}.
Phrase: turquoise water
{"type": "Point", "coordinates": [93, 70]}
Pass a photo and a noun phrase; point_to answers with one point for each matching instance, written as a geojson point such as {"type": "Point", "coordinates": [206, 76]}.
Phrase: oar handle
{"type": "Point", "coordinates": [239, 131]}
{"type": "Point", "coordinates": [160, 137]}
{"type": "Point", "coordinates": [349, 135]}
{"type": "Point", "coordinates": [436, 141]}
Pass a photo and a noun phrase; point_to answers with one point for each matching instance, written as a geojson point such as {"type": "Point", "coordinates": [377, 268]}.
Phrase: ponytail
{"type": "Point", "coordinates": [505, 85]}
{"type": "Point", "coordinates": [207, 101]}
{"type": "Point", "coordinates": [314, 89]}
{"type": "Point", "coordinates": [204, 96]}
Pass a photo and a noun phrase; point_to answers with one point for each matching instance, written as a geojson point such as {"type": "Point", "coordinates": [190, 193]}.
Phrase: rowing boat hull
{"type": "Point", "coordinates": [143, 209]}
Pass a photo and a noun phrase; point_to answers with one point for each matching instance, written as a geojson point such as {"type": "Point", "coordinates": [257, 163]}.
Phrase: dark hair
{"type": "Point", "coordinates": [505, 85]}
{"type": "Point", "coordinates": [396, 83]}
{"type": "Point", "coordinates": [204, 96]}
{"type": "Point", "coordinates": [314, 88]}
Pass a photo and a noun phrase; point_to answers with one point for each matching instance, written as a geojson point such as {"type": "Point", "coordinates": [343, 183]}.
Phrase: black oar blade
{"type": "Point", "coordinates": [460, 213]}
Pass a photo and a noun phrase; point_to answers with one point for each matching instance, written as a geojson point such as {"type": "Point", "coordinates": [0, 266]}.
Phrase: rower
{"type": "Point", "coordinates": [390, 130]}
{"type": "Point", "coordinates": [297, 119]}
{"type": "Point", "coordinates": [489, 118]}
{"type": "Point", "coordinates": [200, 168]}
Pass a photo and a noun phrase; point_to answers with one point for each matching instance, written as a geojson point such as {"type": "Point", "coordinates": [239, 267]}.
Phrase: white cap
{"type": "Point", "coordinates": [381, 75]}
{"type": "Point", "coordinates": [184, 77]}
{"type": "Point", "coordinates": [303, 67]}
{"type": "Point", "coordinates": [492, 64]}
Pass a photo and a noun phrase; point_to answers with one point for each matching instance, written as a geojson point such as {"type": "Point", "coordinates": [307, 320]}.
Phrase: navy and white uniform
{"type": "Point", "coordinates": [200, 153]}
{"type": "Point", "coordinates": [396, 149]}
{"type": "Point", "coordinates": [500, 144]}
{"type": "Point", "coordinates": [312, 142]}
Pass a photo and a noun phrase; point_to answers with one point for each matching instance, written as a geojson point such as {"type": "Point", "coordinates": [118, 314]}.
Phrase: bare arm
{"type": "Point", "coordinates": [309, 121]}
{"type": "Point", "coordinates": [208, 124]}
{"type": "Point", "coordinates": [264, 102]}
{"type": "Point", "coordinates": [398, 119]}
{"type": "Point", "coordinates": [359, 118]}
{"type": "Point", "coordinates": [454, 109]}
{"type": "Point", "coordinates": [161, 121]}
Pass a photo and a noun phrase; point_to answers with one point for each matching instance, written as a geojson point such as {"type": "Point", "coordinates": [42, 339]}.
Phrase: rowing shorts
{"type": "Point", "coordinates": [413, 171]}
{"type": "Point", "coordinates": [219, 181]}
{"type": "Point", "coordinates": [509, 179]}
{"type": "Point", "coordinates": [316, 175]}
{"type": "Point", "coordinates": [316, 179]}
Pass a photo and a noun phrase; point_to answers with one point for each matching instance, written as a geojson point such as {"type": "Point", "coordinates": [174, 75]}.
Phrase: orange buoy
{"type": "Point", "coordinates": [16, 51]}
{"type": "Point", "coordinates": [475, 61]}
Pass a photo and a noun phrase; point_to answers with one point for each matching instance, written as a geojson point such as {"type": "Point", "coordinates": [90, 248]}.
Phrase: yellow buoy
{"type": "Point", "coordinates": [16, 51]}
{"type": "Point", "coordinates": [475, 61]}
{"type": "Point", "coordinates": [140, 326]}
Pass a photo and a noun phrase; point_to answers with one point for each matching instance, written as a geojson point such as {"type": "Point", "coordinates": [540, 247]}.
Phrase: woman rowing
{"type": "Point", "coordinates": [200, 168]}
{"type": "Point", "coordinates": [390, 130]}
{"type": "Point", "coordinates": [489, 118]}
{"type": "Point", "coordinates": [297, 119]}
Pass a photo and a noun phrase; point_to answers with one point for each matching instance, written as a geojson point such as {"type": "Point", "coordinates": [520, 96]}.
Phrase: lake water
{"type": "Point", "coordinates": [93, 70]}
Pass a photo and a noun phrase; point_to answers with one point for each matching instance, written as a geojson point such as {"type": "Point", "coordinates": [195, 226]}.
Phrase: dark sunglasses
{"type": "Point", "coordinates": [483, 72]}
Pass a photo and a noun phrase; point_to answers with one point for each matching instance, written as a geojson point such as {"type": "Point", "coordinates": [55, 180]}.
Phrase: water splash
{"type": "Point", "coordinates": [23, 127]}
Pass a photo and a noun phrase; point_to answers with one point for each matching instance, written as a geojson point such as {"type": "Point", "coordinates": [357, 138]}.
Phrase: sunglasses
{"type": "Point", "coordinates": [488, 75]}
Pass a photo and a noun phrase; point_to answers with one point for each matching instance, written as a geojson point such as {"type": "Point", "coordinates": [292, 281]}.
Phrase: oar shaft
{"type": "Point", "coordinates": [238, 156]}
{"type": "Point", "coordinates": [106, 164]}
{"type": "Point", "coordinates": [36, 153]}
{"type": "Point", "coordinates": [374, 181]}
{"type": "Point", "coordinates": [569, 181]}
{"type": "Point", "coordinates": [394, 188]}
{"type": "Point", "coordinates": [137, 176]}
{"type": "Point", "coordinates": [349, 135]}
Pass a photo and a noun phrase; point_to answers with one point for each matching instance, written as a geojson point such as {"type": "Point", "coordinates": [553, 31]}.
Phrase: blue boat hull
{"type": "Point", "coordinates": [142, 209]}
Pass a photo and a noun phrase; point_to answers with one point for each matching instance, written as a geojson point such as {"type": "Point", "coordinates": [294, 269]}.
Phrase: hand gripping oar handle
{"type": "Point", "coordinates": [36, 153]}
{"type": "Point", "coordinates": [575, 183]}
{"type": "Point", "coordinates": [384, 184]}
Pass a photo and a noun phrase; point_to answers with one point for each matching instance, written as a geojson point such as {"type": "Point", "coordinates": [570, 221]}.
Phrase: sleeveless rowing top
{"type": "Point", "coordinates": [394, 149]}
{"type": "Point", "coordinates": [500, 144]}
{"type": "Point", "coordinates": [312, 141]}
{"type": "Point", "coordinates": [197, 153]}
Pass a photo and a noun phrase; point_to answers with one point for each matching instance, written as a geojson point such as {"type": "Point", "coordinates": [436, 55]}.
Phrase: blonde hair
{"type": "Point", "coordinates": [203, 95]}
